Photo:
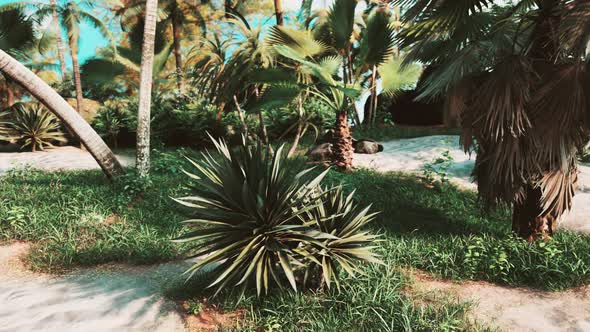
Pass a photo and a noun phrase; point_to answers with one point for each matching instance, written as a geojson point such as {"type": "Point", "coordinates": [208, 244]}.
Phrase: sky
{"type": "Point", "coordinates": [93, 40]}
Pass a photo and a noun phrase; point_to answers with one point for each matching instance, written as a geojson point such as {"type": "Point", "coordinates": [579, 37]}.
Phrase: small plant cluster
{"type": "Point", "coordinates": [511, 260]}
{"type": "Point", "coordinates": [30, 126]}
{"type": "Point", "coordinates": [258, 220]}
{"type": "Point", "coordinates": [437, 171]}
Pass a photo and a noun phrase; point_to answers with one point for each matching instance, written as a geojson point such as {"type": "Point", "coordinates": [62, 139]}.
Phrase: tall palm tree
{"type": "Point", "coordinates": [58, 39]}
{"type": "Point", "coordinates": [518, 76]}
{"type": "Point", "coordinates": [180, 15]}
{"type": "Point", "coordinates": [145, 89]}
{"type": "Point", "coordinates": [279, 12]}
{"type": "Point", "coordinates": [17, 36]}
{"type": "Point", "coordinates": [70, 15]}
{"type": "Point", "coordinates": [57, 105]}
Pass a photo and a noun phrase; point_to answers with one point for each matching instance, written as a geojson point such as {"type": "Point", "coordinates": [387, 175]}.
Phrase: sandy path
{"type": "Point", "coordinates": [111, 298]}
{"type": "Point", "coordinates": [515, 309]}
{"type": "Point", "coordinates": [57, 159]}
{"type": "Point", "coordinates": [410, 155]}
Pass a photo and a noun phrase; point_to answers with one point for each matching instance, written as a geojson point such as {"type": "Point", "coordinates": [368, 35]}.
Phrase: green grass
{"type": "Point", "coordinates": [80, 219]}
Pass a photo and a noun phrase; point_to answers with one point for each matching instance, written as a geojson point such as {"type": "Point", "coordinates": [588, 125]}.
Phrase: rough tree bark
{"type": "Point", "coordinates": [177, 34]}
{"type": "Point", "coordinates": [58, 40]}
{"type": "Point", "coordinates": [279, 12]}
{"type": "Point", "coordinates": [76, 67]}
{"type": "Point", "coordinates": [145, 89]}
{"type": "Point", "coordinates": [300, 124]}
{"type": "Point", "coordinates": [528, 220]}
{"type": "Point", "coordinates": [58, 106]}
{"type": "Point", "coordinates": [343, 150]}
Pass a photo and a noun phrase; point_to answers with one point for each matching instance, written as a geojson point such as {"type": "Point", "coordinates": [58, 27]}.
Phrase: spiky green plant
{"type": "Point", "coordinates": [31, 126]}
{"type": "Point", "coordinates": [260, 221]}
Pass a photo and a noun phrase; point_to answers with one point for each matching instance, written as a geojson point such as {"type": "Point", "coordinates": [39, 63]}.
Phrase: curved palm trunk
{"type": "Point", "coordinates": [58, 106]}
{"type": "Point", "coordinates": [279, 12]}
{"type": "Point", "coordinates": [343, 150]}
{"type": "Point", "coordinates": [145, 89]}
{"type": "Point", "coordinates": [177, 35]}
{"type": "Point", "coordinates": [58, 40]}
{"type": "Point", "coordinates": [76, 68]}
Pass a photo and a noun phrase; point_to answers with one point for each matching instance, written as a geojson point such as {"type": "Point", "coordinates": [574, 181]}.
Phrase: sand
{"type": "Point", "coordinates": [410, 155]}
{"type": "Point", "coordinates": [56, 159]}
{"type": "Point", "coordinates": [108, 298]}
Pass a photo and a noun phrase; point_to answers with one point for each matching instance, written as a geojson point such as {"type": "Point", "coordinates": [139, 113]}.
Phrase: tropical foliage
{"type": "Point", "coordinates": [31, 126]}
{"type": "Point", "coordinates": [259, 221]}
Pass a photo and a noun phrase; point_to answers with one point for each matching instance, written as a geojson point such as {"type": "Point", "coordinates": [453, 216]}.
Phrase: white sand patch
{"type": "Point", "coordinates": [517, 309]}
{"type": "Point", "coordinates": [56, 159]}
{"type": "Point", "coordinates": [101, 299]}
{"type": "Point", "coordinates": [410, 155]}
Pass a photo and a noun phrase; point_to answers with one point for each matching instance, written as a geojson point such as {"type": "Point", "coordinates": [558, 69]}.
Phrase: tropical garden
{"type": "Point", "coordinates": [244, 119]}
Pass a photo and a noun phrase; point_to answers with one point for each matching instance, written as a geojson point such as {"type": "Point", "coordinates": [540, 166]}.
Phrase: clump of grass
{"type": "Point", "coordinates": [81, 219]}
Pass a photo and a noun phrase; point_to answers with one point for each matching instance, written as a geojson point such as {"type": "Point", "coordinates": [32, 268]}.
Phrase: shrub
{"type": "Point", "coordinates": [257, 220]}
{"type": "Point", "coordinates": [31, 126]}
{"type": "Point", "coordinates": [282, 122]}
{"type": "Point", "coordinates": [116, 121]}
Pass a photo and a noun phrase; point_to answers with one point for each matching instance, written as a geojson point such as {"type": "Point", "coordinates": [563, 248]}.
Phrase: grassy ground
{"type": "Point", "coordinates": [79, 219]}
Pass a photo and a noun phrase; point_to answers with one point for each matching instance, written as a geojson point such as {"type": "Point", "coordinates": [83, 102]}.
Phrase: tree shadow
{"type": "Point", "coordinates": [108, 299]}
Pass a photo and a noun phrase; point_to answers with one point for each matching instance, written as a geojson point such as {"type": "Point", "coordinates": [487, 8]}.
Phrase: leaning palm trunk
{"type": "Point", "coordinates": [343, 150]}
{"type": "Point", "coordinates": [59, 41]}
{"type": "Point", "coordinates": [57, 105]}
{"type": "Point", "coordinates": [76, 68]}
{"type": "Point", "coordinates": [145, 89]}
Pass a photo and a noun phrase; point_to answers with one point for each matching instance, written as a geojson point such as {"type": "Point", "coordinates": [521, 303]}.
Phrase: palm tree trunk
{"type": "Point", "coordinates": [58, 40]}
{"type": "Point", "coordinates": [76, 68]}
{"type": "Point", "coordinates": [343, 150]}
{"type": "Point", "coordinates": [9, 95]}
{"type": "Point", "coordinates": [145, 89]}
{"type": "Point", "coordinates": [528, 220]}
{"type": "Point", "coordinates": [370, 114]}
{"type": "Point", "coordinates": [58, 106]}
{"type": "Point", "coordinates": [176, 32]}
{"type": "Point", "coordinates": [279, 11]}
{"type": "Point", "coordinates": [241, 116]}
{"type": "Point", "coordinates": [299, 128]}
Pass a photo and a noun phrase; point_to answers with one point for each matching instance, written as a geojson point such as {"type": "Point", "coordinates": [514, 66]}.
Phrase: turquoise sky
{"type": "Point", "coordinates": [91, 40]}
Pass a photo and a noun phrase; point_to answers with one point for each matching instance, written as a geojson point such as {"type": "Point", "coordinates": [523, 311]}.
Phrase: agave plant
{"type": "Point", "coordinates": [259, 221]}
{"type": "Point", "coordinates": [31, 126]}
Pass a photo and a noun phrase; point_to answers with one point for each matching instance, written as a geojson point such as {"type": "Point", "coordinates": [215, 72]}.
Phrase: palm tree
{"type": "Point", "coordinates": [57, 105]}
{"type": "Point", "coordinates": [517, 75]}
{"type": "Point", "coordinates": [180, 15]}
{"type": "Point", "coordinates": [58, 39]}
{"type": "Point", "coordinates": [145, 89]}
{"type": "Point", "coordinates": [279, 11]}
{"type": "Point", "coordinates": [70, 15]}
{"type": "Point", "coordinates": [123, 69]}
{"type": "Point", "coordinates": [17, 36]}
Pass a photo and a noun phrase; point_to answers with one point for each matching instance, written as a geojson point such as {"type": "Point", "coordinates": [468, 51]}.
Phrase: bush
{"type": "Point", "coordinates": [116, 121]}
{"type": "Point", "coordinates": [282, 122]}
{"type": "Point", "coordinates": [257, 221]}
{"type": "Point", "coordinates": [31, 126]}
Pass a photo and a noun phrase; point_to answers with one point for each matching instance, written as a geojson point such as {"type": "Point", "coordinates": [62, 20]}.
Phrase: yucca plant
{"type": "Point", "coordinates": [259, 221]}
{"type": "Point", "coordinates": [31, 126]}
